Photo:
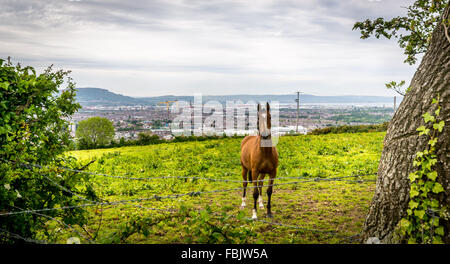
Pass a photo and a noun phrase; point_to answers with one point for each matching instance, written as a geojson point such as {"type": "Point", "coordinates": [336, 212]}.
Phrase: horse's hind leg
{"type": "Point", "coordinates": [244, 183]}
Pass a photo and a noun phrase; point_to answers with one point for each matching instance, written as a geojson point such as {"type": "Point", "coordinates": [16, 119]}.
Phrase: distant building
{"type": "Point", "coordinates": [168, 137]}
{"type": "Point", "coordinates": [281, 131]}
{"type": "Point", "coordinates": [73, 128]}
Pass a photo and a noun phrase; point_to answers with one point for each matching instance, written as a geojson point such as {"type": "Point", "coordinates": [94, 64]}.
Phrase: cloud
{"type": "Point", "coordinates": [145, 48]}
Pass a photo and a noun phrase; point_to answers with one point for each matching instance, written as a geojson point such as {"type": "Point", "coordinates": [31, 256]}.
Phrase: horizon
{"type": "Point", "coordinates": [184, 95]}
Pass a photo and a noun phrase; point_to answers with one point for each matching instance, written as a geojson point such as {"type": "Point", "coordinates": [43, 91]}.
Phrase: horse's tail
{"type": "Point", "coordinates": [249, 176]}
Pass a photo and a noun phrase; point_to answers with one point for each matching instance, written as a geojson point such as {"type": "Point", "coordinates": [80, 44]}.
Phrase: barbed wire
{"type": "Point", "coordinates": [349, 239]}
{"type": "Point", "coordinates": [61, 223]}
{"type": "Point", "coordinates": [67, 190]}
{"type": "Point", "coordinates": [174, 196]}
{"type": "Point", "coordinates": [176, 177]}
{"type": "Point", "coordinates": [26, 239]}
{"type": "Point", "coordinates": [99, 203]}
{"type": "Point", "coordinates": [327, 232]}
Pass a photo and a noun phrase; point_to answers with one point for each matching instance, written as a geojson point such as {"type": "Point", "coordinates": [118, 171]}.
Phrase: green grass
{"type": "Point", "coordinates": [335, 205]}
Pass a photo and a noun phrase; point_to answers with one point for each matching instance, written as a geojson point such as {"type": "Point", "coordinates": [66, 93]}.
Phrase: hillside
{"type": "Point", "coordinates": [286, 98]}
{"type": "Point", "coordinates": [311, 205]}
{"type": "Point", "coordinates": [103, 97]}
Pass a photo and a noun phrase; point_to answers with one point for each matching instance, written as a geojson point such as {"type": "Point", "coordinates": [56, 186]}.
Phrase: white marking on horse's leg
{"type": "Point", "coordinates": [254, 216]}
{"type": "Point", "coordinates": [243, 203]}
{"type": "Point", "coordinates": [260, 201]}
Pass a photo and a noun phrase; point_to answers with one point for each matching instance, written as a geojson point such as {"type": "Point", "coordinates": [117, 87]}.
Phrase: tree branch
{"type": "Point", "coordinates": [446, 20]}
{"type": "Point", "coordinates": [446, 32]}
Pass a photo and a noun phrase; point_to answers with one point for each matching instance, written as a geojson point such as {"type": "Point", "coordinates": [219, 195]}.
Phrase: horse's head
{"type": "Point", "coordinates": [264, 122]}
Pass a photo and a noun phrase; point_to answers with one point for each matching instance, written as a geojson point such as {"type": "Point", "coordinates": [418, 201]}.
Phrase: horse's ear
{"type": "Point", "coordinates": [259, 107]}
{"type": "Point", "coordinates": [268, 107]}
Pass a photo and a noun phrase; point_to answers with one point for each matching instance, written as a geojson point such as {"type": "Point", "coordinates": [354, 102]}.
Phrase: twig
{"type": "Point", "coordinates": [446, 31]}
{"type": "Point", "coordinates": [445, 20]}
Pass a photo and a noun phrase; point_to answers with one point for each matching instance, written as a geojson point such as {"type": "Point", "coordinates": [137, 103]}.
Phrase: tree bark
{"type": "Point", "coordinates": [402, 142]}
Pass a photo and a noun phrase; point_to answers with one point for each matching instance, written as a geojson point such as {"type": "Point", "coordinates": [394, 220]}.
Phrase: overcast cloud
{"type": "Point", "coordinates": [150, 48]}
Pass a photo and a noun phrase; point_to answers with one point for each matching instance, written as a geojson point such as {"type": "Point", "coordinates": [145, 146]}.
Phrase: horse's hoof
{"type": "Point", "coordinates": [261, 206]}
{"type": "Point", "coordinates": [254, 215]}
{"type": "Point", "coordinates": [269, 215]}
{"type": "Point", "coordinates": [243, 204]}
{"type": "Point", "coordinates": [242, 207]}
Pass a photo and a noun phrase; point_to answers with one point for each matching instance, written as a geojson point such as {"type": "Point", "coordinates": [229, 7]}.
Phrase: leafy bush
{"type": "Point", "coordinates": [34, 129]}
{"type": "Point", "coordinates": [350, 129]}
{"type": "Point", "coordinates": [144, 139]}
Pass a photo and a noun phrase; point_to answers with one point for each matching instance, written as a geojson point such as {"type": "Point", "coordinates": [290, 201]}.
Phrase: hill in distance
{"type": "Point", "coordinates": [103, 97]}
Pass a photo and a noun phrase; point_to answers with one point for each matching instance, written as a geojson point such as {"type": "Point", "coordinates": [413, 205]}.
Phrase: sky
{"type": "Point", "coordinates": [177, 47]}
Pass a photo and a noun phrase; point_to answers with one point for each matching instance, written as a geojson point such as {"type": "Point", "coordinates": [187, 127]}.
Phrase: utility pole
{"type": "Point", "coordinates": [298, 109]}
{"type": "Point", "coordinates": [395, 103]}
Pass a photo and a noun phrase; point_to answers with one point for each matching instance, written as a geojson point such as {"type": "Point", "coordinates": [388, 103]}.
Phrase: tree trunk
{"type": "Point", "coordinates": [402, 142]}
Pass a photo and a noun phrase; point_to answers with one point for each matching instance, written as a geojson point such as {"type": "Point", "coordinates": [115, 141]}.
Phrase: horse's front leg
{"type": "Point", "coordinates": [260, 184]}
{"type": "Point", "coordinates": [244, 183]}
{"type": "Point", "coordinates": [269, 192]}
{"type": "Point", "coordinates": [255, 175]}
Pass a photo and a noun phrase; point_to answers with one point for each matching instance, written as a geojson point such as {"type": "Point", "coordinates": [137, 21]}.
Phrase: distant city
{"type": "Point", "coordinates": [132, 116]}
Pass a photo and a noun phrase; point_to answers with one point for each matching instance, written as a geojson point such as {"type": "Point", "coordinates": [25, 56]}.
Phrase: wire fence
{"type": "Point", "coordinates": [26, 239]}
{"type": "Point", "coordinates": [173, 196]}
{"type": "Point", "coordinates": [91, 203]}
{"type": "Point", "coordinates": [178, 177]}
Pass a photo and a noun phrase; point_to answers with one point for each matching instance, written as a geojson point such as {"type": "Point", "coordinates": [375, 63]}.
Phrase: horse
{"type": "Point", "coordinates": [259, 157]}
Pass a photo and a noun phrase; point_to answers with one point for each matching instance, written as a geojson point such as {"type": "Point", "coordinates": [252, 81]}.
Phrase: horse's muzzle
{"type": "Point", "coordinates": [266, 137]}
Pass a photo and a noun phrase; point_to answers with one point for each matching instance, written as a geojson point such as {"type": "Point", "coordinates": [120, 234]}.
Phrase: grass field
{"type": "Point", "coordinates": [303, 212]}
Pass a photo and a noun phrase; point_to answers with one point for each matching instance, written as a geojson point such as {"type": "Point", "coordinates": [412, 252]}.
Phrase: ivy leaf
{"type": "Point", "coordinates": [426, 165]}
{"type": "Point", "coordinates": [428, 186]}
{"type": "Point", "coordinates": [434, 203]}
{"type": "Point", "coordinates": [439, 126]}
{"type": "Point", "coordinates": [413, 176]}
{"type": "Point", "coordinates": [433, 160]}
{"type": "Point", "coordinates": [433, 141]}
{"type": "Point", "coordinates": [439, 231]}
{"type": "Point", "coordinates": [432, 175]}
{"type": "Point", "coordinates": [413, 204]}
{"type": "Point", "coordinates": [404, 223]}
{"type": "Point", "coordinates": [413, 193]}
{"type": "Point", "coordinates": [419, 213]}
{"type": "Point", "coordinates": [437, 188]}
{"type": "Point", "coordinates": [437, 112]}
{"type": "Point", "coordinates": [428, 118]}
{"type": "Point", "coordinates": [423, 130]}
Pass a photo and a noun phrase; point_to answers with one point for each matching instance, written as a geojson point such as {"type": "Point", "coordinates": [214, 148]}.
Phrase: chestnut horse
{"type": "Point", "coordinates": [259, 157]}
